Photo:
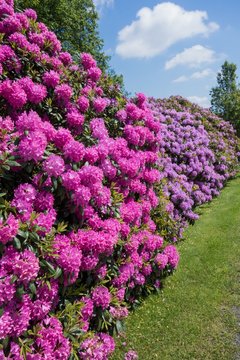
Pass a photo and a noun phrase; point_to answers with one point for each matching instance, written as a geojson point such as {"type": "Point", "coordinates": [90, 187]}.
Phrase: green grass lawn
{"type": "Point", "coordinates": [194, 316]}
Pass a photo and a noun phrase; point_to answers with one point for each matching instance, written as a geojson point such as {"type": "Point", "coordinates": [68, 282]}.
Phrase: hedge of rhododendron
{"type": "Point", "coordinates": [81, 171]}
{"type": "Point", "coordinates": [78, 168]}
{"type": "Point", "coordinates": [198, 154]}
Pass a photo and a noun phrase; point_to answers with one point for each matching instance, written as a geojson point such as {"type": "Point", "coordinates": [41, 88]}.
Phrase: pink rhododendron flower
{"type": "Point", "coordinates": [101, 297]}
{"type": "Point", "coordinates": [8, 229]}
{"type": "Point", "coordinates": [54, 165]}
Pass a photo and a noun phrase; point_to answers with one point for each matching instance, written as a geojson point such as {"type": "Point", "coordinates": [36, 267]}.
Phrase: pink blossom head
{"type": "Point", "coordinates": [161, 261]}
{"type": "Point", "coordinates": [63, 93]}
{"type": "Point", "coordinates": [62, 137]}
{"type": "Point", "coordinates": [5, 9]}
{"type": "Point", "coordinates": [74, 151]}
{"type": "Point", "coordinates": [87, 61]}
{"type": "Point", "coordinates": [8, 229]}
{"type": "Point", "coordinates": [51, 78]}
{"type": "Point", "coordinates": [74, 118]}
{"type": "Point", "coordinates": [83, 103]}
{"type": "Point", "coordinates": [94, 73]}
{"type": "Point", "coordinates": [13, 93]}
{"type": "Point", "coordinates": [101, 297]}
{"type": "Point", "coordinates": [32, 146]}
{"type": "Point", "coordinates": [54, 165]}
{"type": "Point", "coordinates": [31, 14]}
{"type": "Point", "coordinates": [173, 256]}
{"type": "Point", "coordinates": [66, 58]}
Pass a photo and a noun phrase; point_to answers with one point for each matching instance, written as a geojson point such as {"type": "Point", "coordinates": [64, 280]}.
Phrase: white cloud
{"type": "Point", "coordinates": [206, 73]}
{"type": "Point", "coordinates": [195, 56]}
{"type": "Point", "coordinates": [203, 74]}
{"type": "Point", "coordinates": [200, 100]}
{"type": "Point", "coordinates": [181, 78]}
{"type": "Point", "coordinates": [157, 29]}
{"type": "Point", "coordinates": [101, 3]}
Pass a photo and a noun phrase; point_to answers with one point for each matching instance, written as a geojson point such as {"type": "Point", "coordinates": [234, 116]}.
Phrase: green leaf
{"type": "Point", "coordinates": [5, 167]}
{"type": "Point", "coordinates": [48, 285]}
{"type": "Point", "coordinates": [58, 273]}
{"type": "Point", "coordinates": [14, 279]}
{"type": "Point", "coordinates": [5, 342]}
{"type": "Point", "coordinates": [34, 236]}
{"type": "Point", "coordinates": [17, 243]}
{"type": "Point", "coordinates": [23, 234]}
{"type": "Point", "coordinates": [55, 183]}
{"type": "Point", "coordinates": [47, 264]}
{"type": "Point", "coordinates": [33, 288]}
{"type": "Point", "coordinates": [13, 163]}
{"type": "Point", "coordinates": [20, 291]}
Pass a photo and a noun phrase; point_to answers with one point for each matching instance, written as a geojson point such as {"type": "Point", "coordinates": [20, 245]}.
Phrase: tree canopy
{"type": "Point", "coordinates": [225, 97]}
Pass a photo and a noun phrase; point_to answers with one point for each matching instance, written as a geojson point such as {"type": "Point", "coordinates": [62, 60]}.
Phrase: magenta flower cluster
{"type": "Point", "coordinates": [78, 197]}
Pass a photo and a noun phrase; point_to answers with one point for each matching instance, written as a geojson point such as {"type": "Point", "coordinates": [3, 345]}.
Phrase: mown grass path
{"type": "Point", "coordinates": [195, 316]}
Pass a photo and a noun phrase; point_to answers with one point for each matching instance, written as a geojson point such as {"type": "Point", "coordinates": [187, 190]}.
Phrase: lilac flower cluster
{"type": "Point", "coordinates": [197, 156]}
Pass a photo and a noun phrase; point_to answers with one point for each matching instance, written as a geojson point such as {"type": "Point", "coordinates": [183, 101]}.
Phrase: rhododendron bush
{"type": "Point", "coordinates": [198, 154]}
{"type": "Point", "coordinates": [78, 168]}
{"type": "Point", "coordinates": [81, 172]}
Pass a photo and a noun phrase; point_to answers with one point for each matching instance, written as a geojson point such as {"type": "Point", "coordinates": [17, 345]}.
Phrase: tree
{"type": "Point", "coordinates": [225, 97]}
{"type": "Point", "coordinates": [75, 22]}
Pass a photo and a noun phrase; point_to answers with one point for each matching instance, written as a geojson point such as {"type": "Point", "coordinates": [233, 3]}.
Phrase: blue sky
{"type": "Point", "coordinates": [170, 48]}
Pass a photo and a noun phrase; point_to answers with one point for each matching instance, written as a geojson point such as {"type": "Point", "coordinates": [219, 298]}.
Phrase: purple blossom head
{"type": "Point", "coordinates": [50, 339]}
{"type": "Point", "coordinates": [98, 128]}
{"type": "Point", "coordinates": [121, 115]}
{"type": "Point", "coordinates": [24, 265]}
{"type": "Point", "coordinates": [71, 180]}
{"type": "Point", "coordinates": [87, 309]}
{"type": "Point", "coordinates": [5, 10]}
